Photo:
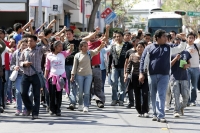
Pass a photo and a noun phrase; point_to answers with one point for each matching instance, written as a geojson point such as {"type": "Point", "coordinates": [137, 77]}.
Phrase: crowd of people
{"type": "Point", "coordinates": [152, 70]}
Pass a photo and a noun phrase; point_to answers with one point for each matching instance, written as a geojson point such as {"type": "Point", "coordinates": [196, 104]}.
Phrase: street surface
{"type": "Point", "coordinates": [107, 120]}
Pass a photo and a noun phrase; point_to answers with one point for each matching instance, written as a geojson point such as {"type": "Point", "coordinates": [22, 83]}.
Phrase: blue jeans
{"type": "Point", "coordinates": [115, 75]}
{"type": "Point", "coordinates": [8, 86]}
{"type": "Point", "coordinates": [158, 86]}
{"type": "Point", "coordinates": [103, 78]}
{"type": "Point", "coordinates": [84, 84]}
{"type": "Point", "coordinates": [18, 92]}
{"type": "Point", "coordinates": [193, 76]}
{"type": "Point", "coordinates": [71, 85]}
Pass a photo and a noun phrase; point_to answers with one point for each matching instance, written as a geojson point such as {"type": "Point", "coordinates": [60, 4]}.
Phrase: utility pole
{"type": "Point", "coordinates": [40, 13]}
{"type": "Point", "coordinates": [83, 8]}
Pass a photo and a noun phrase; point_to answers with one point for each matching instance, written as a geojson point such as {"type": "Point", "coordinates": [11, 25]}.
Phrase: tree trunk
{"type": "Point", "coordinates": [96, 4]}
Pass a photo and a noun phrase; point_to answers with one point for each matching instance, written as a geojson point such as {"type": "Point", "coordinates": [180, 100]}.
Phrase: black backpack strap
{"type": "Point", "coordinates": [196, 49]}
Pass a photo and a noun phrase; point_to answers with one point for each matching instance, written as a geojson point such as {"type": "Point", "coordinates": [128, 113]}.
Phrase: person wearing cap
{"type": "Point", "coordinates": [56, 76]}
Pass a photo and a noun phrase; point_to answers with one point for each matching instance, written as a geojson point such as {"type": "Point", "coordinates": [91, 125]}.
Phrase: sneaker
{"type": "Point", "coordinates": [154, 118]}
{"type": "Point", "coordinates": [71, 107]}
{"type": "Point", "coordinates": [27, 113]}
{"type": "Point", "coordinates": [167, 108]}
{"type": "Point", "coordinates": [113, 103]}
{"type": "Point", "coordinates": [58, 114]}
{"type": "Point", "coordinates": [139, 115]}
{"type": "Point", "coordinates": [192, 104]}
{"type": "Point", "coordinates": [34, 117]}
{"type": "Point", "coordinates": [93, 97]}
{"type": "Point", "coordinates": [182, 111]}
{"type": "Point", "coordinates": [129, 106]}
{"type": "Point", "coordinates": [100, 104]}
{"type": "Point", "coordinates": [51, 113]}
{"type": "Point", "coordinates": [146, 115]}
{"type": "Point", "coordinates": [47, 109]}
{"type": "Point", "coordinates": [85, 109]}
{"type": "Point", "coordinates": [80, 107]}
{"type": "Point", "coordinates": [121, 103]}
{"type": "Point", "coordinates": [176, 115]}
{"type": "Point", "coordinates": [17, 113]}
{"type": "Point", "coordinates": [1, 110]}
{"type": "Point", "coordinates": [162, 120]}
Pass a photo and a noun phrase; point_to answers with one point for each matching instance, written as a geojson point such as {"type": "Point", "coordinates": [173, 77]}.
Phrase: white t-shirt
{"type": "Point", "coordinates": [194, 61]}
{"type": "Point", "coordinates": [57, 62]}
{"type": "Point", "coordinates": [3, 55]}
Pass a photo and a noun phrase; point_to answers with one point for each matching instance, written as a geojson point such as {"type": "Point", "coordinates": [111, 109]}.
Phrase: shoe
{"type": "Point", "coordinates": [34, 117]}
{"type": "Point", "coordinates": [17, 113]}
{"type": "Point", "coordinates": [27, 113]}
{"type": "Point", "coordinates": [1, 110]}
{"type": "Point", "coordinates": [167, 108]}
{"type": "Point", "coordinates": [58, 114]}
{"type": "Point", "coordinates": [44, 105]}
{"type": "Point", "coordinates": [8, 102]}
{"type": "Point", "coordinates": [182, 111]}
{"type": "Point", "coordinates": [139, 115]}
{"type": "Point", "coordinates": [85, 109]}
{"type": "Point", "coordinates": [47, 109]}
{"type": "Point", "coordinates": [146, 115]}
{"type": "Point", "coordinates": [176, 115]}
{"type": "Point", "coordinates": [121, 103]}
{"type": "Point", "coordinates": [100, 104]}
{"type": "Point", "coordinates": [51, 113]}
{"type": "Point", "coordinates": [162, 120]}
{"type": "Point", "coordinates": [129, 106]}
{"type": "Point", "coordinates": [80, 107]}
{"type": "Point", "coordinates": [192, 104]}
{"type": "Point", "coordinates": [71, 107]}
{"type": "Point", "coordinates": [113, 103]}
{"type": "Point", "coordinates": [93, 97]}
{"type": "Point", "coordinates": [154, 118]}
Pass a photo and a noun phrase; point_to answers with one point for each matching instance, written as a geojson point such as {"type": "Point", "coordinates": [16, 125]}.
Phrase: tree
{"type": "Point", "coordinates": [184, 5]}
{"type": "Point", "coordinates": [96, 4]}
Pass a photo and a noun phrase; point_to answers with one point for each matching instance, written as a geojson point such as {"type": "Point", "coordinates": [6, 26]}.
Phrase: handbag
{"type": "Point", "coordinates": [14, 73]}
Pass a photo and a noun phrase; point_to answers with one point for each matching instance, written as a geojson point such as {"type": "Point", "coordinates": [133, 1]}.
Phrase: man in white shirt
{"type": "Point", "coordinates": [197, 41]}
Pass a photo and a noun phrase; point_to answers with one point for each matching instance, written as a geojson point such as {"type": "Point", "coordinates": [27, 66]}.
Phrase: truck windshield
{"type": "Point", "coordinates": [165, 22]}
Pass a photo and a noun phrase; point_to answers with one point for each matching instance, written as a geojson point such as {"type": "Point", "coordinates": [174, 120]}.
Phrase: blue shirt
{"type": "Point", "coordinates": [17, 37]}
{"type": "Point", "coordinates": [178, 73]}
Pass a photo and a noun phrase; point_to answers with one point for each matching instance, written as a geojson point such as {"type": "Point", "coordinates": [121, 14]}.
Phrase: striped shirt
{"type": "Point", "coordinates": [35, 56]}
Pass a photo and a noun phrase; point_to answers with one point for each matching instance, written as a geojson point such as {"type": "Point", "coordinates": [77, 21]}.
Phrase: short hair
{"type": "Point", "coordinates": [17, 26]}
{"type": "Point", "coordinates": [47, 32]}
{"type": "Point", "coordinates": [173, 31]}
{"type": "Point", "coordinates": [14, 40]}
{"type": "Point", "coordinates": [169, 37]}
{"type": "Point", "coordinates": [33, 27]}
{"type": "Point", "coordinates": [99, 35]}
{"type": "Point", "coordinates": [70, 30]}
{"type": "Point", "coordinates": [127, 32]}
{"type": "Point", "coordinates": [22, 41]}
{"type": "Point", "coordinates": [147, 34]}
{"type": "Point", "coordinates": [81, 44]}
{"type": "Point", "coordinates": [143, 43]}
{"type": "Point", "coordinates": [9, 30]}
{"type": "Point", "coordinates": [3, 31]}
{"type": "Point", "coordinates": [159, 33]}
{"type": "Point", "coordinates": [119, 32]}
{"type": "Point", "coordinates": [32, 37]}
{"type": "Point", "coordinates": [191, 34]}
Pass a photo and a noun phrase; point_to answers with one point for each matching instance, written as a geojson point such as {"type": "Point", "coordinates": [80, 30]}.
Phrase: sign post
{"type": "Point", "coordinates": [193, 14]}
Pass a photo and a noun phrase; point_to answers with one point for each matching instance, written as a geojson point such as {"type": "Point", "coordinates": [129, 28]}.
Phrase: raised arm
{"type": "Point", "coordinates": [50, 24]}
{"type": "Point", "coordinates": [105, 38]}
{"type": "Point", "coordinates": [87, 38]}
{"type": "Point", "coordinates": [181, 46]}
{"type": "Point", "coordinates": [27, 25]}
{"type": "Point", "coordinates": [63, 30]}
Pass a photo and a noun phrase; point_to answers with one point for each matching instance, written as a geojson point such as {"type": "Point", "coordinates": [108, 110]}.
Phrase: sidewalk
{"type": "Point", "coordinates": [107, 120]}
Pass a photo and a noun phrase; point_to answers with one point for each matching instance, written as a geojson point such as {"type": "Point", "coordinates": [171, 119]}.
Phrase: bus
{"type": "Point", "coordinates": [167, 21]}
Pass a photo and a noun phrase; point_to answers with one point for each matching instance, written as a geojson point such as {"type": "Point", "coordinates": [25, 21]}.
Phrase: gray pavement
{"type": "Point", "coordinates": [107, 120]}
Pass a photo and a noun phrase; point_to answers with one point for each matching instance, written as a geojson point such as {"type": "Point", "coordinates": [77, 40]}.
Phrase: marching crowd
{"type": "Point", "coordinates": [152, 71]}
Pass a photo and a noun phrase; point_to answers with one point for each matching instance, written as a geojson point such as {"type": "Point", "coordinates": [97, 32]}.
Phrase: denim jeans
{"type": "Point", "coordinates": [115, 75]}
{"type": "Point", "coordinates": [71, 85]}
{"type": "Point", "coordinates": [158, 86]}
{"type": "Point", "coordinates": [193, 76]}
{"type": "Point", "coordinates": [103, 78]}
{"type": "Point", "coordinates": [18, 92]}
{"type": "Point", "coordinates": [8, 86]}
{"type": "Point", "coordinates": [25, 85]}
{"type": "Point", "coordinates": [84, 84]}
{"type": "Point", "coordinates": [180, 87]}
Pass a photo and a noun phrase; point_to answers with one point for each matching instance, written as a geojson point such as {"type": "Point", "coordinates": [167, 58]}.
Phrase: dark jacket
{"type": "Point", "coordinates": [118, 62]}
{"type": "Point", "coordinates": [2, 48]}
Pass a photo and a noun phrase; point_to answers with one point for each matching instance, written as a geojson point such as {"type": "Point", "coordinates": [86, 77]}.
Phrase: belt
{"type": "Point", "coordinates": [97, 66]}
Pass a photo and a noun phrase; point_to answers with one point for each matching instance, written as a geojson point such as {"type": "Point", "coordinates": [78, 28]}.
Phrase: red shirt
{"type": "Point", "coordinates": [96, 59]}
{"type": "Point", "coordinates": [6, 58]}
